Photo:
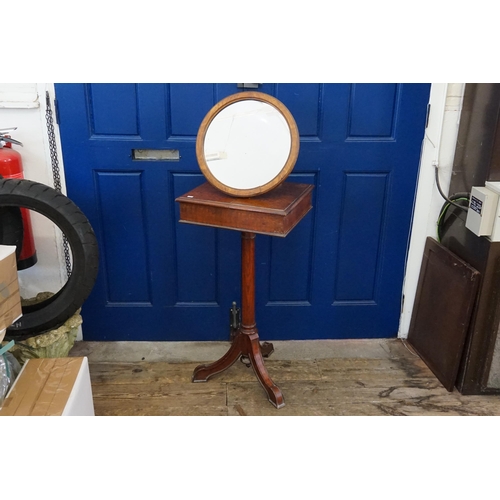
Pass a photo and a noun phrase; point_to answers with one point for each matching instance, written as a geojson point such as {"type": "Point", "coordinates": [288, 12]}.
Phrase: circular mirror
{"type": "Point", "coordinates": [247, 144]}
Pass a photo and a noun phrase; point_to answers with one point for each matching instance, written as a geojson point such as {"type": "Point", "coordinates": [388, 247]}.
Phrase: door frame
{"type": "Point", "coordinates": [438, 148]}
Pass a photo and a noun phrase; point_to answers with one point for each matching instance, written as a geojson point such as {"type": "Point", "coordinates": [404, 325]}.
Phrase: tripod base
{"type": "Point", "coordinates": [245, 344]}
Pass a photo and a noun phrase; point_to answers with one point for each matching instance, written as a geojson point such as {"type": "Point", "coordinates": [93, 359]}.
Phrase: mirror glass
{"type": "Point", "coordinates": [247, 144]}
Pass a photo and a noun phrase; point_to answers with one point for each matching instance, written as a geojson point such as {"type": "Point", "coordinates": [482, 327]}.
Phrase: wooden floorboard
{"type": "Point", "coordinates": [400, 384]}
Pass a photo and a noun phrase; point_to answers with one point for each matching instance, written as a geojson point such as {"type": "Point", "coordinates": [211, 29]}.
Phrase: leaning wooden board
{"type": "Point", "coordinates": [444, 302]}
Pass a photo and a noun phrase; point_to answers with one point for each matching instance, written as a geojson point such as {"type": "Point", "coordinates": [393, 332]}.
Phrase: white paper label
{"type": "Point", "coordinates": [220, 155]}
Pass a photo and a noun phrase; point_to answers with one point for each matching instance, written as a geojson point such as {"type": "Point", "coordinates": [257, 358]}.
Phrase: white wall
{"type": "Point", "coordinates": [23, 106]}
{"type": "Point", "coordinates": [20, 106]}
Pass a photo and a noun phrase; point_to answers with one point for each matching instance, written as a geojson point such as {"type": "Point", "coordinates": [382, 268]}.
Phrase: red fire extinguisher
{"type": "Point", "coordinates": [11, 167]}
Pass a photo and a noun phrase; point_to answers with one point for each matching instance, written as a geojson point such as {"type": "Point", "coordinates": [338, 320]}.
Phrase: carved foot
{"type": "Point", "coordinates": [266, 348]}
{"type": "Point", "coordinates": [274, 393]}
{"type": "Point", "coordinates": [203, 372]}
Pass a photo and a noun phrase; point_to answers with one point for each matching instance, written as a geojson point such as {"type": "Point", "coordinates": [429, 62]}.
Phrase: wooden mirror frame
{"type": "Point", "coordinates": [287, 167]}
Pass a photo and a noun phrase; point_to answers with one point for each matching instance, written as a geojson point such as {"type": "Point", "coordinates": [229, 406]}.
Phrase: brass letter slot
{"type": "Point", "coordinates": [156, 154]}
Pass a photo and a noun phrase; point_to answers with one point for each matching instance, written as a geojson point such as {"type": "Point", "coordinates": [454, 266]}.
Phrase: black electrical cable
{"type": "Point", "coordinates": [443, 195]}
{"type": "Point", "coordinates": [444, 220]}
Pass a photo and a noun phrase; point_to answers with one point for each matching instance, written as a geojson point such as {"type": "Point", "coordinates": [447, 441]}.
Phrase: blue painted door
{"type": "Point", "coordinates": [338, 274]}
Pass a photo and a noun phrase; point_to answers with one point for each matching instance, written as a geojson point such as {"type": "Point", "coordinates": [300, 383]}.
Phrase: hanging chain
{"type": "Point", "coordinates": [56, 172]}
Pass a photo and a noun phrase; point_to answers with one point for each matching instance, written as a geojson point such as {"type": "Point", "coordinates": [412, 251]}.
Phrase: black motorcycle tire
{"type": "Point", "coordinates": [74, 225]}
{"type": "Point", "coordinates": [11, 228]}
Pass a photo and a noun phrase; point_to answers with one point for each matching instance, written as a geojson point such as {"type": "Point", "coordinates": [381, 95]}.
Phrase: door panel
{"type": "Point", "coordinates": [122, 99]}
{"type": "Point", "coordinates": [338, 274]}
{"type": "Point", "coordinates": [122, 235]}
{"type": "Point", "coordinates": [290, 260]}
{"type": "Point", "coordinates": [372, 111]}
{"type": "Point", "coordinates": [360, 234]}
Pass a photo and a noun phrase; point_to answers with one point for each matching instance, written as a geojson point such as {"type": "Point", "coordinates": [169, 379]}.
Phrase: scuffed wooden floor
{"type": "Point", "coordinates": [400, 384]}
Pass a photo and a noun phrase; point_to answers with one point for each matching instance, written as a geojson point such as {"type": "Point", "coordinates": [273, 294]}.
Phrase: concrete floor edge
{"type": "Point", "coordinates": [182, 352]}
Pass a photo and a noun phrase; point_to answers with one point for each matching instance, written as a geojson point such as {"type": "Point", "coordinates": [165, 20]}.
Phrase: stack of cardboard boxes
{"type": "Point", "coordinates": [47, 386]}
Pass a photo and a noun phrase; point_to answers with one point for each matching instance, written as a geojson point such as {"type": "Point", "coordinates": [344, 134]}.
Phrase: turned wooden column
{"type": "Point", "coordinates": [248, 282]}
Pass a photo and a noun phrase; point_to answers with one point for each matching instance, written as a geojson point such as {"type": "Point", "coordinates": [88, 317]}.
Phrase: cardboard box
{"type": "Point", "coordinates": [10, 300]}
{"type": "Point", "coordinates": [51, 387]}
